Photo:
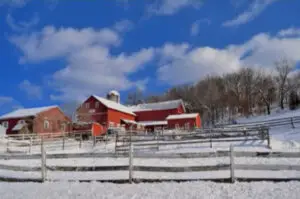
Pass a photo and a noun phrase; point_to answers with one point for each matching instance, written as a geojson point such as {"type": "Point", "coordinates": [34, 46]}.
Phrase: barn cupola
{"type": "Point", "coordinates": [114, 96]}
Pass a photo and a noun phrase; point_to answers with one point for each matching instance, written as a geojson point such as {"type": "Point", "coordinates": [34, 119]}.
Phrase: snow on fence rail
{"type": "Point", "coordinates": [205, 136]}
{"type": "Point", "coordinates": [131, 168]}
{"type": "Point", "coordinates": [293, 121]}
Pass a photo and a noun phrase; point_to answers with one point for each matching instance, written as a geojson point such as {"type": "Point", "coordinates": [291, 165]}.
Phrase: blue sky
{"type": "Point", "coordinates": [59, 51]}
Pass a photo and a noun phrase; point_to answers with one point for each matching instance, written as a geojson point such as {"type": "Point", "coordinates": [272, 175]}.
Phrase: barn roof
{"type": "Point", "coordinates": [114, 105]}
{"type": "Point", "coordinates": [20, 113]}
{"type": "Point", "coordinates": [166, 105]}
{"type": "Point", "coordinates": [182, 116]}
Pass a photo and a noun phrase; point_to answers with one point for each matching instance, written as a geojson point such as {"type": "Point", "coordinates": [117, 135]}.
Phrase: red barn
{"type": "Point", "coordinates": [107, 112]}
{"type": "Point", "coordinates": [186, 121]}
{"type": "Point", "coordinates": [40, 120]}
{"type": "Point", "coordinates": [154, 115]}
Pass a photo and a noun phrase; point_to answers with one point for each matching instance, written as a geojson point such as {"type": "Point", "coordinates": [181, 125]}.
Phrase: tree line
{"type": "Point", "coordinates": [249, 91]}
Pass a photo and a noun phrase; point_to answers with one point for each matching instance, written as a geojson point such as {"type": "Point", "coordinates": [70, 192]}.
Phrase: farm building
{"type": "Point", "coordinates": [185, 121]}
{"type": "Point", "coordinates": [35, 120]}
{"type": "Point", "coordinates": [153, 115]}
{"type": "Point", "coordinates": [107, 112]}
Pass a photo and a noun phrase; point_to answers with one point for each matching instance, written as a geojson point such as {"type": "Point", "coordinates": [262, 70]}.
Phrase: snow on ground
{"type": "Point", "coordinates": [190, 190]}
{"type": "Point", "coordinates": [275, 114]}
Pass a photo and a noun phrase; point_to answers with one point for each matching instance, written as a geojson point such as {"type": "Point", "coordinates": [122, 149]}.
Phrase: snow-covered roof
{"type": "Point", "coordinates": [114, 92]}
{"type": "Point", "coordinates": [20, 113]}
{"type": "Point", "coordinates": [114, 105]}
{"type": "Point", "coordinates": [173, 104]}
{"type": "Point", "coordinates": [153, 123]}
{"type": "Point", "coordinates": [18, 127]}
{"type": "Point", "coordinates": [182, 116]}
{"type": "Point", "coordinates": [129, 121]}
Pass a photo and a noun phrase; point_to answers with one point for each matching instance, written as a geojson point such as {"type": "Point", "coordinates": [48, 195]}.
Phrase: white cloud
{"type": "Point", "coordinates": [255, 9]}
{"type": "Point", "coordinates": [23, 25]}
{"type": "Point", "coordinates": [33, 91]}
{"type": "Point", "coordinates": [289, 32]}
{"type": "Point", "coordinates": [195, 28]}
{"type": "Point", "coordinates": [169, 7]}
{"type": "Point", "coordinates": [4, 100]}
{"type": "Point", "coordinates": [189, 65]}
{"type": "Point", "coordinates": [14, 3]}
{"type": "Point", "coordinates": [124, 25]}
{"type": "Point", "coordinates": [184, 64]}
{"type": "Point", "coordinates": [51, 43]}
{"type": "Point", "coordinates": [91, 67]}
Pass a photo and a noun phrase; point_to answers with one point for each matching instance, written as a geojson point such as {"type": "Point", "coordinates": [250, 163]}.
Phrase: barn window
{"type": "Point", "coordinates": [63, 127]}
{"type": "Point", "coordinates": [97, 105]}
{"type": "Point", "coordinates": [46, 124]}
{"type": "Point", "coordinates": [5, 124]}
{"type": "Point", "coordinates": [187, 125]}
{"type": "Point", "coordinates": [87, 105]}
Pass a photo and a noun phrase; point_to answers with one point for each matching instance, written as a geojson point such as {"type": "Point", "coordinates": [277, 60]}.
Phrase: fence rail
{"type": "Point", "coordinates": [288, 121]}
{"type": "Point", "coordinates": [131, 167]}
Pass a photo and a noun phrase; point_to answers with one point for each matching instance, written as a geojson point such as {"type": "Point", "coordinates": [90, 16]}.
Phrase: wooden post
{"type": "Point", "coordinates": [130, 162]}
{"type": "Point", "coordinates": [292, 122]}
{"type": "Point", "coordinates": [116, 144]}
{"type": "Point", "coordinates": [210, 136]}
{"type": "Point", "coordinates": [80, 141]}
{"type": "Point", "coordinates": [94, 141]}
{"type": "Point", "coordinates": [30, 144]}
{"type": "Point", "coordinates": [7, 145]}
{"type": "Point", "coordinates": [232, 164]}
{"type": "Point", "coordinates": [269, 141]}
{"type": "Point", "coordinates": [157, 141]}
{"type": "Point", "coordinates": [43, 161]}
{"type": "Point", "coordinates": [63, 143]}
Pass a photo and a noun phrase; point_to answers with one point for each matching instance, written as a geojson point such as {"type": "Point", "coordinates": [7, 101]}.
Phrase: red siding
{"type": "Point", "coordinates": [192, 122]}
{"type": "Point", "coordinates": [116, 116]}
{"type": "Point", "coordinates": [92, 114]}
{"type": "Point", "coordinates": [158, 115]}
{"type": "Point", "coordinates": [55, 117]}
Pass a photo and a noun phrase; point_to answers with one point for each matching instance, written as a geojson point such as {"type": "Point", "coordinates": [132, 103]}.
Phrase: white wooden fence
{"type": "Point", "coordinates": [131, 167]}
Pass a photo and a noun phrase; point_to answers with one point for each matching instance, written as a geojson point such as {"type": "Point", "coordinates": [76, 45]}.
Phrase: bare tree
{"type": "Point", "coordinates": [266, 90]}
{"type": "Point", "coordinates": [284, 68]}
{"type": "Point", "coordinates": [135, 97]}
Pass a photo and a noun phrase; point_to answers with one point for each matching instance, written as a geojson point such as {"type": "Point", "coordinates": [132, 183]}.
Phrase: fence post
{"type": "Point", "coordinates": [80, 141]}
{"type": "Point", "coordinates": [269, 141]}
{"type": "Point", "coordinates": [7, 145]}
{"type": "Point", "coordinates": [30, 144]}
{"type": "Point", "coordinates": [43, 161]}
{"type": "Point", "coordinates": [292, 122]}
{"type": "Point", "coordinates": [94, 141]}
{"type": "Point", "coordinates": [63, 144]}
{"type": "Point", "coordinates": [232, 177]}
{"type": "Point", "coordinates": [210, 137]}
{"type": "Point", "coordinates": [116, 144]}
{"type": "Point", "coordinates": [130, 162]}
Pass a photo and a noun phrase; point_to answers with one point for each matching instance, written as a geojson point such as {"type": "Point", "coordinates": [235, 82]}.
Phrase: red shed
{"type": "Point", "coordinates": [106, 112]}
{"type": "Point", "coordinates": [186, 121]}
{"type": "Point", "coordinates": [36, 120]}
{"type": "Point", "coordinates": [158, 111]}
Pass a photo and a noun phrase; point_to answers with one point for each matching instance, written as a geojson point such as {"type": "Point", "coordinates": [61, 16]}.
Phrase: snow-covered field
{"type": "Point", "coordinates": [189, 190]}
{"type": "Point", "coordinates": [283, 139]}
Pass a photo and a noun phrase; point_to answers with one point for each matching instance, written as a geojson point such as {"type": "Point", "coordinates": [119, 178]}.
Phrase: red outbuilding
{"type": "Point", "coordinates": [185, 121]}
{"type": "Point", "coordinates": [40, 120]}
{"type": "Point", "coordinates": [153, 115]}
{"type": "Point", "coordinates": [107, 112]}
